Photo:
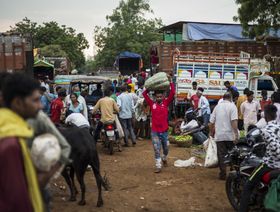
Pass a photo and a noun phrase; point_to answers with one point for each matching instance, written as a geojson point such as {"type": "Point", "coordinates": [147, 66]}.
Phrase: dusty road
{"type": "Point", "coordinates": [136, 188]}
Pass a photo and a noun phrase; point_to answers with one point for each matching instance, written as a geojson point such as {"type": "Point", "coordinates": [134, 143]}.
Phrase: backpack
{"type": "Point", "coordinates": [272, 198]}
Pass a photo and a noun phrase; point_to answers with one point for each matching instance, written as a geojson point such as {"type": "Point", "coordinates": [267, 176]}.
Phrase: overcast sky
{"type": "Point", "coordinates": [83, 15]}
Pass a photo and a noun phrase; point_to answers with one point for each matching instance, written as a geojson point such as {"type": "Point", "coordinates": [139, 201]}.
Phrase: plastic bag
{"type": "Point", "coordinates": [186, 163]}
{"type": "Point", "coordinates": [119, 127]}
{"type": "Point", "coordinates": [272, 198]}
{"type": "Point", "coordinates": [157, 82]}
{"type": "Point", "coordinates": [188, 126]}
{"type": "Point", "coordinates": [211, 159]}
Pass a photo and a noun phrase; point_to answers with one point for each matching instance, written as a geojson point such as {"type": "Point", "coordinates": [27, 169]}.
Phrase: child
{"type": "Point", "coordinates": [159, 110]}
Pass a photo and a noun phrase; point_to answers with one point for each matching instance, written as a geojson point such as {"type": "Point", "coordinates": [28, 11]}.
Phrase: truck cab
{"type": "Point", "coordinates": [264, 82]}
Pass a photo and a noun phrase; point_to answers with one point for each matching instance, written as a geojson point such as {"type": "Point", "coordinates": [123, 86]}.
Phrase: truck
{"type": "Point", "coordinates": [211, 70]}
{"type": "Point", "coordinates": [211, 37]}
{"type": "Point", "coordinates": [128, 63]}
{"type": "Point", "coordinates": [16, 53]}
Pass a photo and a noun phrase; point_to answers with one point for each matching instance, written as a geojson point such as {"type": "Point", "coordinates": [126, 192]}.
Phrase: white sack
{"type": "Point", "coordinates": [45, 152]}
{"type": "Point", "coordinates": [211, 159]}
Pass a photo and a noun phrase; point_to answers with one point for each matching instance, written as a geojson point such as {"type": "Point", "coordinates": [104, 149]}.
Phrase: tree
{"type": "Point", "coordinates": [53, 51]}
{"type": "Point", "coordinates": [264, 15]}
{"type": "Point", "coordinates": [128, 29]}
{"type": "Point", "coordinates": [51, 33]}
{"type": "Point", "coordinates": [26, 26]}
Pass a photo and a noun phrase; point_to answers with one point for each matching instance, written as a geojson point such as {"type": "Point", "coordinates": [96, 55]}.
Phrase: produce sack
{"type": "Point", "coordinates": [45, 152]}
{"type": "Point", "coordinates": [211, 159]}
{"type": "Point", "coordinates": [157, 82]}
{"type": "Point", "coordinates": [272, 198]}
{"type": "Point", "coordinates": [119, 127]}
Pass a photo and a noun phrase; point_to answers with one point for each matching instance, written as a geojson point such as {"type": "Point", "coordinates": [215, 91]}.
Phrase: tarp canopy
{"type": "Point", "coordinates": [128, 54]}
{"type": "Point", "coordinates": [213, 31]}
{"type": "Point", "coordinates": [42, 63]}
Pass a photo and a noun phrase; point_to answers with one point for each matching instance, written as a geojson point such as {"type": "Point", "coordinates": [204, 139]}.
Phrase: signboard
{"type": "Point", "coordinates": [211, 77]}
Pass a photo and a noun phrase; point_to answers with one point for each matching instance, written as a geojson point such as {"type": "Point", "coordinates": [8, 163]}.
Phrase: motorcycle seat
{"type": "Point", "coordinates": [109, 122]}
{"type": "Point", "coordinates": [267, 177]}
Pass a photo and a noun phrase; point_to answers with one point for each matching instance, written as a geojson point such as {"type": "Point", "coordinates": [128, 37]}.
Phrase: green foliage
{"type": "Point", "coordinates": [51, 33]}
{"type": "Point", "coordinates": [89, 67]}
{"type": "Point", "coordinates": [264, 14]}
{"type": "Point", "coordinates": [128, 29]}
{"type": "Point", "coordinates": [26, 26]}
{"type": "Point", "coordinates": [53, 51]}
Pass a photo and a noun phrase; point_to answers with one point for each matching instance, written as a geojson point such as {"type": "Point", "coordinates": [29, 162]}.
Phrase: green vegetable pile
{"type": "Point", "coordinates": [183, 141]}
{"type": "Point", "coordinates": [242, 134]}
{"type": "Point", "coordinates": [182, 138]}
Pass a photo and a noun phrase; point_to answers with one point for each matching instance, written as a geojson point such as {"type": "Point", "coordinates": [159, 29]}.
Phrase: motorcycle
{"type": "Point", "coordinates": [193, 126]}
{"type": "Point", "coordinates": [243, 159]}
{"type": "Point", "coordinates": [96, 118]}
{"type": "Point", "coordinates": [110, 137]}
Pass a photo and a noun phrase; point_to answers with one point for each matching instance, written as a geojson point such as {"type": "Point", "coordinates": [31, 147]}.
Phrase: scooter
{"type": "Point", "coordinates": [243, 159]}
{"type": "Point", "coordinates": [109, 134]}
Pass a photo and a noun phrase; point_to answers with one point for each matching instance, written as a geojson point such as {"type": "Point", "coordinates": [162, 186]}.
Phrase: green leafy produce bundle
{"type": "Point", "coordinates": [157, 82]}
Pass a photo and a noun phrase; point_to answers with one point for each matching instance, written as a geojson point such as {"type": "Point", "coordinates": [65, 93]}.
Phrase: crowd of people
{"type": "Point", "coordinates": [142, 113]}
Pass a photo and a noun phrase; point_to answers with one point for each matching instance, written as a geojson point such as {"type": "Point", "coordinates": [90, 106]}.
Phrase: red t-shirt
{"type": "Point", "coordinates": [195, 101]}
{"type": "Point", "coordinates": [56, 109]}
{"type": "Point", "coordinates": [263, 103]}
{"type": "Point", "coordinates": [160, 111]}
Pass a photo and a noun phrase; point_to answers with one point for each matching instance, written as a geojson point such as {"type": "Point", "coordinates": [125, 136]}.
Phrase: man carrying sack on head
{"type": "Point", "coordinates": [159, 110]}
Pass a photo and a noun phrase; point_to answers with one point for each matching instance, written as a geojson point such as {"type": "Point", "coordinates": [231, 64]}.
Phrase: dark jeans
{"type": "Point", "coordinates": [46, 195]}
{"type": "Point", "coordinates": [240, 124]}
{"type": "Point", "coordinates": [255, 177]}
{"type": "Point", "coordinates": [206, 118]}
{"type": "Point", "coordinates": [128, 129]}
{"type": "Point", "coordinates": [148, 128]}
{"type": "Point", "coordinates": [140, 128]}
{"type": "Point", "coordinates": [222, 149]}
{"type": "Point", "coordinates": [98, 130]}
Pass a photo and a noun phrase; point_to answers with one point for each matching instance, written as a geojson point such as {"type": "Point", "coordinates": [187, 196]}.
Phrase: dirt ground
{"type": "Point", "coordinates": [136, 188]}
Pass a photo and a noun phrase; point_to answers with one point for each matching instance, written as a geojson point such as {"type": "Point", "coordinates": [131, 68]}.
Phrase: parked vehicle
{"type": "Point", "coordinates": [211, 70]}
{"type": "Point", "coordinates": [128, 63]}
{"type": "Point", "coordinates": [210, 37]}
{"type": "Point", "coordinates": [243, 159]}
{"type": "Point", "coordinates": [95, 117]}
{"type": "Point", "coordinates": [110, 138]}
{"type": "Point", "coordinates": [16, 53]}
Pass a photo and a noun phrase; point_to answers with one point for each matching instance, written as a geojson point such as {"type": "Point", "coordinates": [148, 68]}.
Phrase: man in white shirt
{"type": "Point", "coordinates": [223, 123]}
{"type": "Point", "coordinates": [250, 109]}
{"type": "Point", "coordinates": [81, 100]}
{"type": "Point", "coordinates": [78, 120]}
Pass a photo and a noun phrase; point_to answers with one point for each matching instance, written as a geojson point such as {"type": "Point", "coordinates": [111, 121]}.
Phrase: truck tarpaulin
{"type": "Point", "coordinates": [213, 31]}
